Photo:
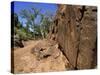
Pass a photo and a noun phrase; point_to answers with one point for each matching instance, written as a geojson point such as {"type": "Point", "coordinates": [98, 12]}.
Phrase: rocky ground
{"type": "Point", "coordinates": [40, 56]}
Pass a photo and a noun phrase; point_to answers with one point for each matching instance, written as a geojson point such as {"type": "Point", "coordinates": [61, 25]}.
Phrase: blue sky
{"type": "Point", "coordinates": [18, 6]}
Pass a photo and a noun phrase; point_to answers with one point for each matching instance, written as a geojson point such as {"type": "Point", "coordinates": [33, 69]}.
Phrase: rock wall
{"type": "Point", "coordinates": [75, 29]}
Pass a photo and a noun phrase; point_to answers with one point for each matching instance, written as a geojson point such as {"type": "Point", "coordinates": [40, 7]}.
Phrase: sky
{"type": "Point", "coordinates": [18, 6]}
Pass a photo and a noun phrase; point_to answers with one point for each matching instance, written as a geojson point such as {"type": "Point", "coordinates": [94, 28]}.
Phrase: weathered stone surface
{"type": "Point", "coordinates": [88, 37]}
{"type": "Point", "coordinates": [45, 50]}
{"type": "Point", "coordinates": [75, 30]}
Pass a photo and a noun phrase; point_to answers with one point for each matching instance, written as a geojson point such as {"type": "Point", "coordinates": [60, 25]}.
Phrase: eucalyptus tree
{"type": "Point", "coordinates": [30, 16]}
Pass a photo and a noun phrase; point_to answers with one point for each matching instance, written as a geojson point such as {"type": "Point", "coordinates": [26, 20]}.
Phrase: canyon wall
{"type": "Point", "coordinates": [75, 29]}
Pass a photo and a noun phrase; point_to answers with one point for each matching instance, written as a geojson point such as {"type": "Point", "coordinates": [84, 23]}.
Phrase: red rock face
{"type": "Point", "coordinates": [75, 29]}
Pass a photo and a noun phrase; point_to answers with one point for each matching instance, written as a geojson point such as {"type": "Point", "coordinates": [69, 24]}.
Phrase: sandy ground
{"type": "Point", "coordinates": [26, 60]}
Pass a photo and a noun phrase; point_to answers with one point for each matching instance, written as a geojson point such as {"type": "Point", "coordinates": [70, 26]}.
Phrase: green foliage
{"type": "Point", "coordinates": [32, 30]}
{"type": "Point", "coordinates": [22, 34]}
{"type": "Point", "coordinates": [45, 25]}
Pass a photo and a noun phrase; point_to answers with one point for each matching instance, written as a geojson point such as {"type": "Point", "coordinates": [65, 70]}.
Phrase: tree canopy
{"type": "Point", "coordinates": [32, 30]}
